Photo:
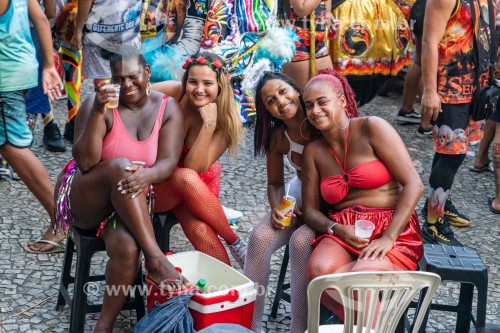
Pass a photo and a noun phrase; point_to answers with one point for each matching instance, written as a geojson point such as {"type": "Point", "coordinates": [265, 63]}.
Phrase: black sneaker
{"type": "Point", "coordinates": [69, 131]}
{"type": "Point", "coordinates": [52, 138]}
{"type": "Point", "coordinates": [456, 219]}
{"type": "Point", "coordinates": [411, 117]}
{"type": "Point", "coordinates": [424, 133]}
{"type": "Point", "coordinates": [439, 233]}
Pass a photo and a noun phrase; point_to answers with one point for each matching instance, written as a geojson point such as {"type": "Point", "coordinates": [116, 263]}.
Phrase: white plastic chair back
{"type": "Point", "coordinates": [394, 290]}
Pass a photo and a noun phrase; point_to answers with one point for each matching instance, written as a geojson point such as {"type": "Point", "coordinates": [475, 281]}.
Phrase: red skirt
{"type": "Point", "coordinates": [408, 248]}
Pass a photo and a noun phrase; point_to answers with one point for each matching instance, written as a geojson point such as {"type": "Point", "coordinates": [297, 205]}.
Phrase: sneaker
{"type": "Point", "coordinates": [69, 131]}
{"type": "Point", "coordinates": [456, 219]}
{"type": "Point", "coordinates": [474, 143]}
{"type": "Point", "coordinates": [411, 117]}
{"type": "Point", "coordinates": [232, 215]}
{"type": "Point", "coordinates": [439, 233]}
{"type": "Point", "coordinates": [52, 138]}
{"type": "Point", "coordinates": [239, 251]}
{"type": "Point", "coordinates": [4, 168]}
{"type": "Point", "coordinates": [424, 133]}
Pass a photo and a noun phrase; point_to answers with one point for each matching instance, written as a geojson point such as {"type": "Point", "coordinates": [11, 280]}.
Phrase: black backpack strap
{"type": "Point", "coordinates": [492, 41]}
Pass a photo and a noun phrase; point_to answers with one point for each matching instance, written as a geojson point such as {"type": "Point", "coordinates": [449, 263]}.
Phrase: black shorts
{"type": "Point", "coordinates": [417, 17]}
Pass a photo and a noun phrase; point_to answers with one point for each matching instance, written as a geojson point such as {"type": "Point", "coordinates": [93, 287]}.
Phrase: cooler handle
{"type": "Point", "coordinates": [231, 296]}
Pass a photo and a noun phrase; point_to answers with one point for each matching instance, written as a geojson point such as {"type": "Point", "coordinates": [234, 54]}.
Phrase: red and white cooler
{"type": "Point", "coordinates": [228, 296]}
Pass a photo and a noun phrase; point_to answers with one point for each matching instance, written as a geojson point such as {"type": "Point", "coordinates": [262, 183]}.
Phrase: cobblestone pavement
{"type": "Point", "coordinates": [29, 283]}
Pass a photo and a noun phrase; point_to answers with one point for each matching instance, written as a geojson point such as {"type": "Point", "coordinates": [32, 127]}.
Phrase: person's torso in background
{"type": "Point", "coordinates": [18, 67]}
{"type": "Point", "coordinates": [113, 22]}
{"type": "Point", "coordinates": [456, 67]}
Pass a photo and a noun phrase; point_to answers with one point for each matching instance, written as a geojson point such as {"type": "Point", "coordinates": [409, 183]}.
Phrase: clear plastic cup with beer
{"type": "Point", "coordinates": [287, 207]}
{"type": "Point", "coordinates": [364, 228]}
{"type": "Point", "coordinates": [113, 103]}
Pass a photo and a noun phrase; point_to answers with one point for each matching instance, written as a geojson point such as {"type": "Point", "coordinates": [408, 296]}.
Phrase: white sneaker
{"type": "Point", "coordinates": [232, 215]}
{"type": "Point", "coordinates": [239, 251]}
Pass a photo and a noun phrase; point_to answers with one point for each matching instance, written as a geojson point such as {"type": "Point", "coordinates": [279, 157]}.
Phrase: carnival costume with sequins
{"type": "Point", "coordinates": [117, 143]}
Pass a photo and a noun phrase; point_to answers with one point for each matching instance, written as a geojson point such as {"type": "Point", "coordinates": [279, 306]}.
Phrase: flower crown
{"type": "Point", "coordinates": [216, 65]}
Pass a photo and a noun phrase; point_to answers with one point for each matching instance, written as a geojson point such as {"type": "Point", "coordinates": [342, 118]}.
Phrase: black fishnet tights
{"type": "Point", "coordinates": [263, 242]}
{"type": "Point", "coordinates": [198, 211]}
{"type": "Point", "coordinates": [330, 257]}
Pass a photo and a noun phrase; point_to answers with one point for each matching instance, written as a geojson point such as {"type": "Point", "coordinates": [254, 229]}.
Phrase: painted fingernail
{"type": "Point", "coordinates": [120, 188]}
{"type": "Point", "coordinates": [123, 192]}
{"type": "Point", "coordinates": [133, 196]}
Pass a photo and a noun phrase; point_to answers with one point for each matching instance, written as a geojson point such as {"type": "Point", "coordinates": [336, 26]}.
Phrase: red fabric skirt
{"type": "Point", "coordinates": [408, 248]}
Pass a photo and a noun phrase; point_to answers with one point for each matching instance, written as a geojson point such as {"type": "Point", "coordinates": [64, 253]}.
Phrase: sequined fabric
{"type": "Point", "coordinates": [63, 207]}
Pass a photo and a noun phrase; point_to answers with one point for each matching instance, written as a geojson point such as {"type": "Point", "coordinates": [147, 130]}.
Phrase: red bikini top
{"type": "Point", "coordinates": [367, 175]}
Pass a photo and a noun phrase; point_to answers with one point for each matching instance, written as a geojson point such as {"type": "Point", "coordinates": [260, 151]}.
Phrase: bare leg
{"type": "Point", "coordinates": [299, 71]}
{"type": "Point", "coordinates": [121, 271]}
{"type": "Point", "coordinates": [95, 195]}
{"type": "Point", "coordinates": [482, 158]}
{"type": "Point", "coordinates": [36, 178]}
{"type": "Point", "coordinates": [199, 233]}
{"type": "Point", "coordinates": [412, 79]}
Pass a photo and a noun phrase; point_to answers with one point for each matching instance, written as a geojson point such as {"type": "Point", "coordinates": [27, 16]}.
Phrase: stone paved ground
{"type": "Point", "coordinates": [29, 283]}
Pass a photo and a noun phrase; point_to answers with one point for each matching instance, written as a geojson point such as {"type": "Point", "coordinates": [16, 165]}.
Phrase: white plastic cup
{"type": "Point", "coordinates": [114, 102]}
{"type": "Point", "coordinates": [363, 228]}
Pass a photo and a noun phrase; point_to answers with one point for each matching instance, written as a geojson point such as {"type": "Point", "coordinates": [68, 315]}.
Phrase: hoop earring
{"type": "Point", "coordinates": [348, 121]}
{"type": "Point", "coordinates": [148, 88]}
{"type": "Point", "coordinates": [302, 135]}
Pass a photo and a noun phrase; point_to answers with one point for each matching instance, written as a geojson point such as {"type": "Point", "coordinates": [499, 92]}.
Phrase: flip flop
{"type": "Point", "coordinates": [56, 247]}
{"type": "Point", "coordinates": [487, 167]}
{"type": "Point", "coordinates": [490, 205]}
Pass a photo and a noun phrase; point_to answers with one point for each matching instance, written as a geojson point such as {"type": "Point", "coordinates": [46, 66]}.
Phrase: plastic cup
{"type": "Point", "coordinates": [363, 228]}
{"type": "Point", "coordinates": [114, 102]}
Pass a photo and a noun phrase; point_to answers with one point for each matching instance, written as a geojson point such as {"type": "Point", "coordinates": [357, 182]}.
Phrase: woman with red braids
{"type": "Point", "coordinates": [361, 169]}
{"type": "Point", "coordinates": [211, 125]}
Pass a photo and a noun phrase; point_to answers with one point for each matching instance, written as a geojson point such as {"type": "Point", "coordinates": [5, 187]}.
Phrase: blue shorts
{"type": "Point", "coordinates": [13, 127]}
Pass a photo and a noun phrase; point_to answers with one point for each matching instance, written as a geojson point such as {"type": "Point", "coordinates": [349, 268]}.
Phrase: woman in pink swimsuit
{"type": "Point", "coordinates": [117, 154]}
{"type": "Point", "coordinates": [360, 167]}
{"type": "Point", "coordinates": [211, 125]}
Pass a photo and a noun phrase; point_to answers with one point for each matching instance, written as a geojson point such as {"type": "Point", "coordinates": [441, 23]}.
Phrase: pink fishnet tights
{"type": "Point", "coordinates": [263, 242]}
{"type": "Point", "coordinates": [330, 257]}
{"type": "Point", "coordinates": [197, 210]}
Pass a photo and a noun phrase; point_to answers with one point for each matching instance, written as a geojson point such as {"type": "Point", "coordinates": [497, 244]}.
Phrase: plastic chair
{"type": "Point", "coordinates": [162, 224]}
{"type": "Point", "coordinates": [394, 290]}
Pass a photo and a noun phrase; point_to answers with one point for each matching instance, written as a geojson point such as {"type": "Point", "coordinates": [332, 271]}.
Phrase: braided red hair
{"type": "Point", "coordinates": [340, 86]}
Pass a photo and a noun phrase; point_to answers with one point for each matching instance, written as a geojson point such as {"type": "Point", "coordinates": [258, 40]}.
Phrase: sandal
{"type": "Point", "coordinates": [487, 167]}
{"type": "Point", "coordinates": [56, 247]}
{"type": "Point", "coordinates": [490, 205]}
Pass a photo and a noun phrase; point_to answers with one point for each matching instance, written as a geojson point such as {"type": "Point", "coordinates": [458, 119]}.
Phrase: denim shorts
{"type": "Point", "coordinates": [13, 127]}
